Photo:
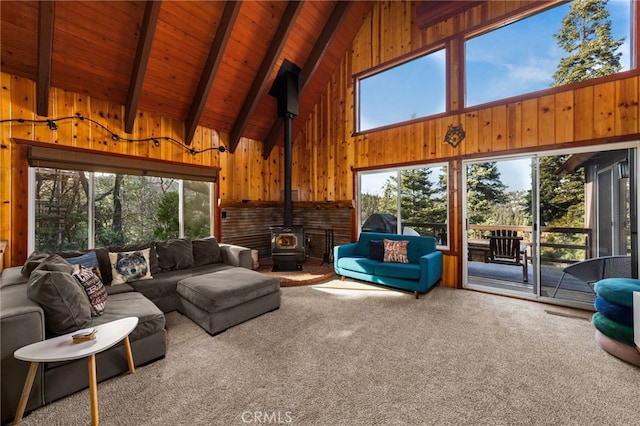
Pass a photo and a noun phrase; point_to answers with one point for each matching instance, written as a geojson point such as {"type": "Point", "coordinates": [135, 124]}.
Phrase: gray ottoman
{"type": "Point", "coordinates": [222, 299]}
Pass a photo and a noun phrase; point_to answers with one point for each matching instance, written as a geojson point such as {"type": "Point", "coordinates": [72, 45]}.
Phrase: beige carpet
{"type": "Point", "coordinates": [344, 353]}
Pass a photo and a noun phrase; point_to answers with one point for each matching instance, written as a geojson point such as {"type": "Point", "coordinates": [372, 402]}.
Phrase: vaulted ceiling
{"type": "Point", "coordinates": [208, 63]}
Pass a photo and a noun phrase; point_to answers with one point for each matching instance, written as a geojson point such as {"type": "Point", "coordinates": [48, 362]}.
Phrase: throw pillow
{"type": "Point", "coordinates": [94, 289]}
{"type": "Point", "coordinates": [130, 266]}
{"type": "Point", "coordinates": [175, 254]}
{"type": "Point", "coordinates": [105, 262]}
{"type": "Point", "coordinates": [65, 304]}
{"type": "Point", "coordinates": [396, 251]}
{"type": "Point", "coordinates": [88, 260]}
{"type": "Point", "coordinates": [32, 262]}
{"type": "Point", "coordinates": [376, 250]}
{"type": "Point", "coordinates": [206, 251]}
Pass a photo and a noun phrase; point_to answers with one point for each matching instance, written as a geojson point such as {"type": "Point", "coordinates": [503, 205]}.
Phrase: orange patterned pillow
{"type": "Point", "coordinates": [396, 251]}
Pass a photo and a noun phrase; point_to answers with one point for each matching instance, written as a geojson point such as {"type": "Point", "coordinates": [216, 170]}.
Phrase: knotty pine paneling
{"type": "Point", "coordinates": [243, 175]}
{"type": "Point", "coordinates": [325, 150]}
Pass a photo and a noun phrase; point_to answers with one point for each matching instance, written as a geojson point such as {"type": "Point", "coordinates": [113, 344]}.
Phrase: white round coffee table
{"type": "Point", "coordinates": [62, 348]}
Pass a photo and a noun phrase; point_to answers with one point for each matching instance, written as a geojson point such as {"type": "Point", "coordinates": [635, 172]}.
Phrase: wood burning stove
{"type": "Point", "coordinates": [287, 247]}
{"type": "Point", "coordinates": [287, 241]}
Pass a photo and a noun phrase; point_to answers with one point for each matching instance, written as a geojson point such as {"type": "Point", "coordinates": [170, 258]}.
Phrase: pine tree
{"type": "Point", "coordinates": [484, 191]}
{"type": "Point", "coordinates": [586, 36]}
{"type": "Point", "coordinates": [421, 201]}
{"type": "Point", "coordinates": [561, 195]}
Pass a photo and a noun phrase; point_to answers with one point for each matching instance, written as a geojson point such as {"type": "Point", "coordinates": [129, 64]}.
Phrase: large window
{"type": "Point", "coordinates": [80, 210]}
{"type": "Point", "coordinates": [411, 201]}
{"type": "Point", "coordinates": [549, 49]}
{"type": "Point", "coordinates": [573, 41]}
{"type": "Point", "coordinates": [413, 89]}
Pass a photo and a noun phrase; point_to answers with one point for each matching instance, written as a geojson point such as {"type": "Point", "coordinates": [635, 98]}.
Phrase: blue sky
{"type": "Point", "coordinates": [516, 59]}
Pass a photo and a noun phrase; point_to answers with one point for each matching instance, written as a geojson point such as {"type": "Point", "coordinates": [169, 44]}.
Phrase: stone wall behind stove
{"type": "Point", "coordinates": [247, 224]}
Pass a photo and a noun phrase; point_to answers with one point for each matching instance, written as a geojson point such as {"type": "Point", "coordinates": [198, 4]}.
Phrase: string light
{"type": "Point", "coordinates": [51, 124]}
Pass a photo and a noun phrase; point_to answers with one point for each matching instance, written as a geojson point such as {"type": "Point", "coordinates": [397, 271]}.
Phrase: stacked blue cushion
{"type": "Point", "coordinates": [618, 290]}
{"type": "Point", "coordinates": [614, 316]}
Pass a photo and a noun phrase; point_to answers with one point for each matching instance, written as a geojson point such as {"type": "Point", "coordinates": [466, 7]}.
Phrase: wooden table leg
{"type": "Point", "coordinates": [93, 391]}
{"type": "Point", "coordinates": [127, 347]}
{"type": "Point", "coordinates": [26, 390]}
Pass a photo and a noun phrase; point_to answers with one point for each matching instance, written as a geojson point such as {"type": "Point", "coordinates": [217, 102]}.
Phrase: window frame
{"type": "Point", "coordinates": [387, 66]}
{"type": "Point", "coordinates": [31, 202]}
{"type": "Point", "coordinates": [398, 170]}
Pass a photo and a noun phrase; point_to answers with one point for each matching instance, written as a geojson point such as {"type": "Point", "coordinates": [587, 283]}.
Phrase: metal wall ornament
{"type": "Point", "coordinates": [454, 135]}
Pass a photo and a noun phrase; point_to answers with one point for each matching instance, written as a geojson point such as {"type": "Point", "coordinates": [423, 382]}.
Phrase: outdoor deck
{"type": "Point", "coordinates": [508, 277]}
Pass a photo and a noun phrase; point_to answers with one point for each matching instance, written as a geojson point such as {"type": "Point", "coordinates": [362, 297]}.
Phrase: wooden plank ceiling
{"type": "Point", "coordinates": [208, 63]}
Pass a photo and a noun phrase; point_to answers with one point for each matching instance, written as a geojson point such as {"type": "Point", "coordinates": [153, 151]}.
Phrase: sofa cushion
{"type": "Point", "coordinates": [133, 304]}
{"type": "Point", "coordinates": [376, 250]}
{"type": "Point", "coordinates": [395, 251]}
{"type": "Point", "coordinates": [63, 300]}
{"type": "Point", "coordinates": [88, 260]}
{"type": "Point", "coordinates": [164, 283]}
{"type": "Point", "coordinates": [130, 266]}
{"type": "Point", "coordinates": [358, 264]}
{"type": "Point", "coordinates": [206, 251]}
{"type": "Point", "coordinates": [410, 271]}
{"type": "Point", "coordinates": [93, 287]}
{"type": "Point", "coordinates": [175, 254]}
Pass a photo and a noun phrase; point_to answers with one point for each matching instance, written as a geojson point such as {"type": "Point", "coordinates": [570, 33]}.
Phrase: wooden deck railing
{"type": "Point", "coordinates": [479, 232]}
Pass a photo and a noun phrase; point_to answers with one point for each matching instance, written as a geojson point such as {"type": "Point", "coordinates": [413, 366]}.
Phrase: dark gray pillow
{"type": "Point", "coordinates": [32, 262]}
{"type": "Point", "coordinates": [65, 304]}
{"type": "Point", "coordinates": [206, 251]}
{"type": "Point", "coordinates": [175, 254]}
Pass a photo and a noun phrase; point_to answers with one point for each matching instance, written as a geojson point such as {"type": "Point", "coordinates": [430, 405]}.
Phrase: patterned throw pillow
{"type": "Point", "coordinates": [88, 260]}
{"type": "Point", "coordinates": [376, 250]}
{"type": "Point", "coordinates": [94, 288]}
{"type": "Point", "coordinates": [130, 266]}
{"type": "Point", "coordinates": [396, 251]}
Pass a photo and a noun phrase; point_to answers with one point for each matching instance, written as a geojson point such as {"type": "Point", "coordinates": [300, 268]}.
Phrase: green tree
{"type": "Point", "coordinates": [561, 194]}
{"type": "Point", "coordinates": [197, 209]}
{"type": "Point", "coordinates": [484, 191]}
{"type": "Point", "coordinates": [168, 217]}
{"type": "Point", "coordinates": [369, 204]}
{"type": "Point", "coordinates": [586, 36]}
{"type": "Point", "coordinates": [421, 200]}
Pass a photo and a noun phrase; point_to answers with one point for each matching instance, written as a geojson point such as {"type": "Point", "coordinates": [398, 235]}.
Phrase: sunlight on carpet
{"type": "Point", "coordinates": [351, 289]}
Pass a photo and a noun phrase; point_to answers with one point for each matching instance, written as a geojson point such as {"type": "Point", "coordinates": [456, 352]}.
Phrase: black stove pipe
{"type": "Point", "coordinates": [285, 90]}
{"type": "Point", "coordinates": [288, 202]}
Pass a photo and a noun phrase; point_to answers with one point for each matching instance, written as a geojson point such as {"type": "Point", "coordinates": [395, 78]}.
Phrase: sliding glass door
{"type": "Point", "coordinates": [536, 225]}
{"type": "Point", "coordinates": [499, 238]}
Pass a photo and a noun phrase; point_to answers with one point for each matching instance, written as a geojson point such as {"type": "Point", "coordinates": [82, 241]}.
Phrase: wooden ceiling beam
{"type": "Point", "coordinates": [435, 11]}
{"type": "Point", "coordinates": [45, 48]}
{"type": "Point", "coordinates": [228, 19]}
{"type": "Point", "coordinates": [310, 66]}
{"type": "Point", "coordinates": [264, 73]}
{"type": "Point", "coordinates": [149, 22]}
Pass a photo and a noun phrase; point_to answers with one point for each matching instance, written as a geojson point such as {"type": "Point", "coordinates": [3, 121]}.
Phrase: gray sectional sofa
{"type": "Point", "coordinates": [208, 297]}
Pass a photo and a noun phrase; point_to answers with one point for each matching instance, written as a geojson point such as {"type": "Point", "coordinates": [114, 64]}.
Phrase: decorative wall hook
{"type": "Point", "coordinates": [454, 135]}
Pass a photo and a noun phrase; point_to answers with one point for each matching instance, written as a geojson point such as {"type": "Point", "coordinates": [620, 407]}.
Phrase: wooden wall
{"type": "Point", "coordinates": [326, 153]}
{"type": "Point", "coordinates": [595, 112]}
